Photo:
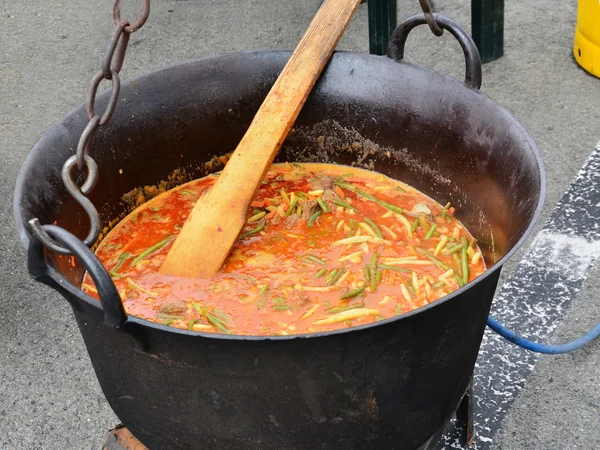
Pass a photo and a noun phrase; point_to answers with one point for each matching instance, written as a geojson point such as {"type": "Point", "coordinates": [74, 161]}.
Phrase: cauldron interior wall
{"type": "Point", "coordinates": [431, 131]}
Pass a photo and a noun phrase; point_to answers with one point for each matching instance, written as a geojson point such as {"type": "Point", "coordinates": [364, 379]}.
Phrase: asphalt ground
{"type": "Point", "coordinates": [49, 397]}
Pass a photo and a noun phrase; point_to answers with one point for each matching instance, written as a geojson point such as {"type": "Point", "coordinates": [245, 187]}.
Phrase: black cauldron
{"type": "Point", "coordinates": [387, 385]}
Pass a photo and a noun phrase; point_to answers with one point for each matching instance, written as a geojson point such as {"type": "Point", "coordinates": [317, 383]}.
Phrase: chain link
{"type": "Point", "coordinates": [111, 66]}
{"type": "Point", "coordinates": [429, 10]}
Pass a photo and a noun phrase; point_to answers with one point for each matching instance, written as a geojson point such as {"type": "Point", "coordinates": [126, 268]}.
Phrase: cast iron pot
{"type": "Point", "coordinates": [387, 385]}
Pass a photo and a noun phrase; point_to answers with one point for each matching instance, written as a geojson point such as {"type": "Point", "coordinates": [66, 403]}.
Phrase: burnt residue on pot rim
{"type": "Point", "coordinates": [58, 128]}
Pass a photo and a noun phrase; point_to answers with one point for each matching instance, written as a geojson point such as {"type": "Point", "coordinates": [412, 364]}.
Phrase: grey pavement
{"type": "Point", "coordinates": [49, 50]}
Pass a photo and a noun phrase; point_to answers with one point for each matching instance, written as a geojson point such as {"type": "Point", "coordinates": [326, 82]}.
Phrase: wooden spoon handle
{"type": "Point", "coordinates": [217, 218]}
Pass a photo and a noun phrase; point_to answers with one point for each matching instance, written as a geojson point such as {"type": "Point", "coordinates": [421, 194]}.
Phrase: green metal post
{"type": "Point", "coordinates": [487, 21]}
{"type": "Point", "coordinates": [382, 22]}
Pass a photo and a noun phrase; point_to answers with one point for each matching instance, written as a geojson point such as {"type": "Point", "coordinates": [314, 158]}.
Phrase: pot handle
{"type": "Point", "coordinates": [114, 313]}
{"type": "Point", "coordinates": [473, 60]}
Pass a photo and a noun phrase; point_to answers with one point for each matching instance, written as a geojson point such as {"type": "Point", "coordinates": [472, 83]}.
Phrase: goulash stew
{"type": "Point", "coordinates": [325, 247]}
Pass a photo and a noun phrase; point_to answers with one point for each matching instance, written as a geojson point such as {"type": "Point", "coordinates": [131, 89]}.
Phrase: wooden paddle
{"type": "Point", "coordinates": [218, 217]}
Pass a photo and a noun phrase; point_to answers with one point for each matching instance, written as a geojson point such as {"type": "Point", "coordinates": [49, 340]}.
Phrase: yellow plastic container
{"type": "Point", "coordinates": [587, 36]}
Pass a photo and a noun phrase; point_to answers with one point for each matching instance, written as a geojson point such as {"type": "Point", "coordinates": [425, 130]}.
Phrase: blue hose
{"type": "Point", "coordinates": [543, 348]}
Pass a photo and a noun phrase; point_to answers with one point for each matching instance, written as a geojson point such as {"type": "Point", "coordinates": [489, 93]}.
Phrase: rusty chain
{"type": "Point", "coordinates": [429, 10]}
{"type": "Point", "coordinates": [111, 66]}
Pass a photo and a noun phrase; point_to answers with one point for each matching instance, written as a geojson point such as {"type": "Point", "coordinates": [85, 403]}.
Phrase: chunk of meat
{"type": "Point", "coordinates": [298, 298]}
{"type": "Point", "coordinates": [308, 208]}
{"type": "Point", "coordinates": [329, 197]}
{"type": "Point", "coordinates": [276, 219]}
{"type": "Point", "coordinates": [173, 308]}
{"type": "Point", "coordinates": [323, 183]}
{"type": "Point", "coordinates": [292, 220]}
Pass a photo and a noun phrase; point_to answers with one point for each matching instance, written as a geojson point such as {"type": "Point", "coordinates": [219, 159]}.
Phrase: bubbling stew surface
{"type": "Point", "coordinates": [325, 247]}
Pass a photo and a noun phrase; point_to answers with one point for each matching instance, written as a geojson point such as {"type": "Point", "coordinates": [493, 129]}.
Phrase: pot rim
{"type": "Point", "coordinates": [24, 233]}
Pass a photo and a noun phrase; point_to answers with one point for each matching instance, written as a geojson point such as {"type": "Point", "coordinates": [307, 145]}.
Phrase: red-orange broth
{"type": "Point", "coordinates": [325, 247]}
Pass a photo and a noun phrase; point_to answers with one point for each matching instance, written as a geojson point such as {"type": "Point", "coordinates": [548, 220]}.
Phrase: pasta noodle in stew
{"type": "Point", "coordinates": [325, 247]}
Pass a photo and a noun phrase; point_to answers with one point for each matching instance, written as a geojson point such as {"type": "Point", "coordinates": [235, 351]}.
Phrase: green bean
{"type": "Point", "coordinates": [316, 259]}
{"type": "Point", "coordinates": [459, 281]}
{"type": "Point", "coordinates": [254, 231]}
{"type": "Point", "coordinates": [438, 285]}
{"type": "Point", "coordinates": [331, 274]}
{"type": "Point", "coordinates": [283, 307]}
{"type": "Point", "coordinates": [292, 206]}
{"type": "Point", "coordinates": [340, 309]}
{"type": "Point", "coordinates": [150, 250]}
{"type": "Point", "coordinates": [372, 271]}
{"type": "Point", "coordinates": [411, 289]}
{"type": "Point", "coordinates": [472, 243]}
{"type": "Point", "coordinates": [278, 300]}
{"type": "Point", "coordinates": [122, 258]}
{"type": "Point", "coordinates": [263, 290]}
{"type": "Point", "coordinates": [336, 277]}
{"type": "Point", "coordinates": [394, 268]}
{"type": "Point", "coordinates": [380, 202]}
{"type": "Point", "coordinates": [400, 189]}
{"type": "Point", "coordinates": [437, 262]}
{"type": "Point", "coordinates": [191, 324]}
{"type": "Point", "coordinates": [222, 315]}
{"type": "Point", "coordinates": [322, 204]}
{"type": "Point", "coordinates": [354, 292]}
{"type": "Point", "coordinates": [187, 192]}
{"type": "Point", "coordinates": [398, 309]}
{"type": "Point", "coordinates": [304, 259]}
{"type": "Point", "coordinates": [453, 249]}
{"type": "Point", "coordinates": [390, 207]}
{"type": "Point", "coordinates": [339, 202]}
{"type": "Point", "coordinates": [169, 316]}
{"type": "Point", "coordinates": [321, 272]}
{"type": "Point", "coordinates": [257, 216]}
{"type": "Point", "coordinates": [371, 197]}
{"type": "Point", "coordinates": [344, 185]}
{"type": "Point", "coordinates": [367, 271]}
{"type": "Point", "coordinates": [465, 263]}
{"type": "Point", "coordinates": [444, 211]}
{"type": "Point", "coordinates": [375, 227]}
{"type": "Point", "coordinates": [414, 225]}
{"type": "Point", "coordinates": [215, 322]}
{"type": "Point", "coordinates": [457, 258]}
{"type": "Point", "coordinates": [314, 217]}
{"type": "Point", "coordinates": [429, 234]}
{"type": "Point", "coordinates": [378, 276]}
{"type": "Point", "coordinates": [301, 195]}
{"type": "Point", "coordinates": [373, 262]}
{"type": "Point", "coordinates": [353, 224]}
{"type": "Point", "coordinates": [261, 303]}
{"type": "Point", "coordinates": [247, 278]}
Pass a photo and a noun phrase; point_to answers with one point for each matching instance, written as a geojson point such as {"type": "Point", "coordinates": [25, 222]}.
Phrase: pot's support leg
{"type": "Point", "coordinates": [121, 439]}
{"type": "Point", "coordinates": [464, 413]}
{"type": "Point", "coordinates": [382, 22]}
{"type": "Point", "coordinates": [487, 22]}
